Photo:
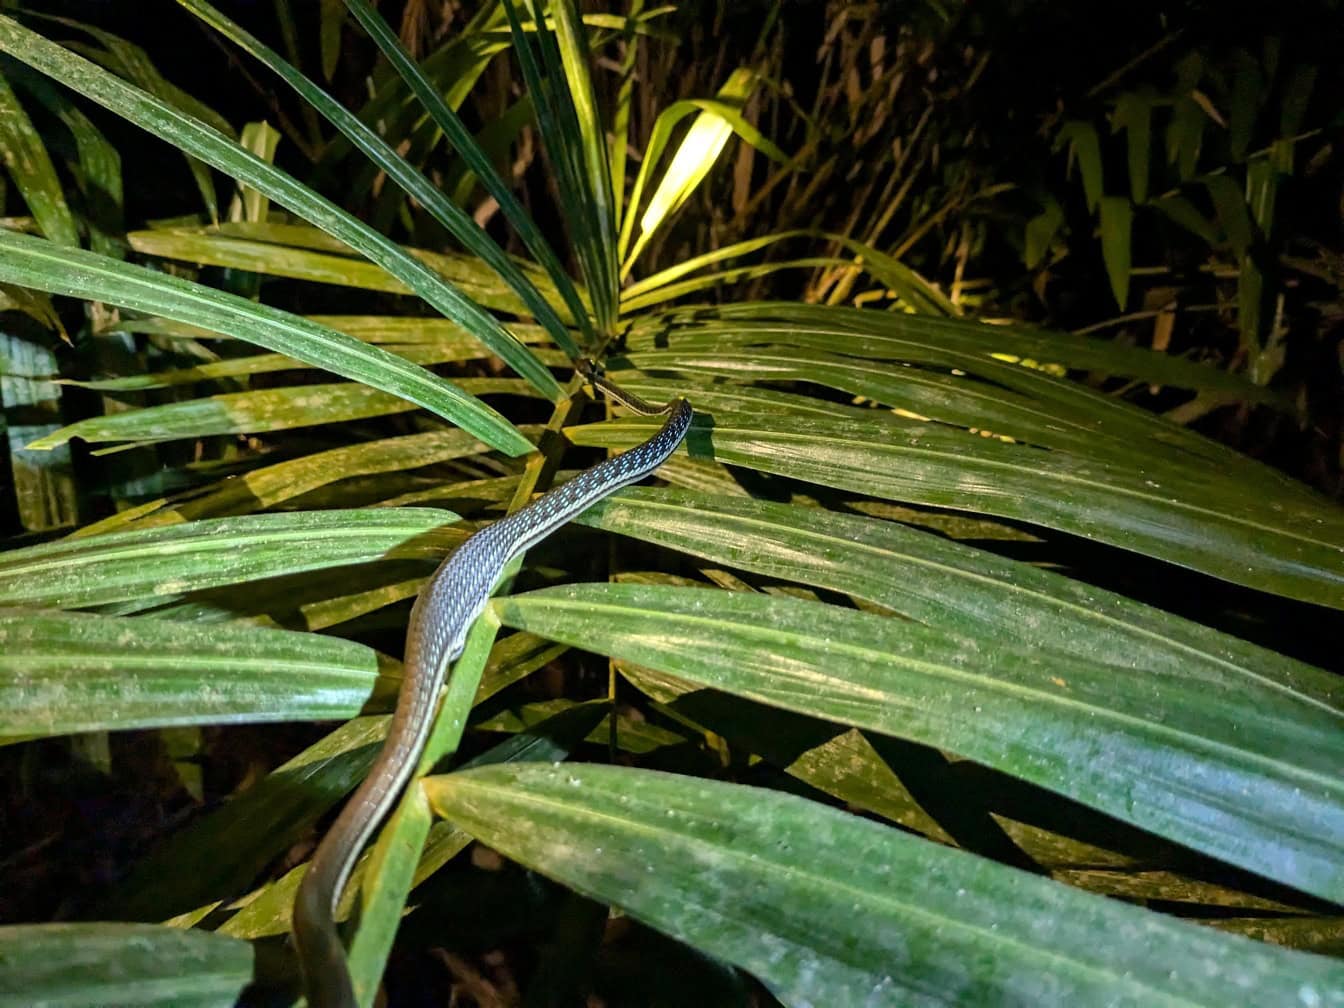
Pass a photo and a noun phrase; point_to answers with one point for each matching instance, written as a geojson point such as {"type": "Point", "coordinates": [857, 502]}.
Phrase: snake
{"type": "Point", "coordinates": [443, 612]}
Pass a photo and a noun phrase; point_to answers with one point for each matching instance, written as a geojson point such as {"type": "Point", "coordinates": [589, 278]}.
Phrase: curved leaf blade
{"type": "Point", "coordinates": [889, 919]}
{"type": "Point", "coordinates": [91, 965]}
{"type": "Point", "coordinates": [196, 138]}
{"type": "Point", "coordinates": [948, 586]}
{"type": "Point", "coordinates": [35, 262]}
{"type": "Point", "coordinates": [1285, 542]}
{"type": "Point", "coordinates": [73, 672]}
{"type": "Point", "coordinates": [463, 227]}
{"type": "Point", "coordinates": [173, 559]}
{"type": "Point", "coordinates": [1237, 770]}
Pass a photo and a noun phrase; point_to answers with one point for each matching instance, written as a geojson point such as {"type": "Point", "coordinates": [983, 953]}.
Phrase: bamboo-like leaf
{"type": "Point", "coordinates": [1040, 233]}
{"type": "Point", "coordinates": [94, 570]}
{"type": "Point", "coordinates": [196, 138]}
{"type": "Point", "coordinates": [1134, 114]}
{"type": "Point", "coordinates": [255, 412]}
{"type": "Point", "coordinates": [1287, 543]}
{"type": "Point", "coordinates": [484, 170]}
{"type": "Point", "coordinates": [950, 586]}
{"type": "Point", "coordinates": [95, 965]}
{"type": "Point", "coordinates": [714, 123]}
{"type": "Point", "coordinates": [29, 165]}
{"type": "Point", "coordinates": [459, 224]}
{"type": "Point", "coordinates": [1183, 212]}
{"type": "Point", "coordinates": [1117, 225]}
{"type": "Point", "coordinates": [34, 262]}
{"type": "Point", "coordinates": [891, 919]}
{"type": "Point", "coordinates": [1084, 148]}
{"type": "Point", "coordinates": [1185, 136]}
{"type": "Point", "coordinates": [74, 672]}
{"type": "Point", "coordinates": [1236, 769]}
{"type": "Point", "coordinates": [1229, 204]}
{"type": "Point", "coordinates": [270, 485]}
{"type": "Point", "coordinates": [948, 343]}
{"type": "Point", "coordinates": [333, 20]}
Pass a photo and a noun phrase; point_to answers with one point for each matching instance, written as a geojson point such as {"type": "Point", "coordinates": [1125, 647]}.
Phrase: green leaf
{"type": "Point", "coordinates": [1237, 769]}
{"type": "Point", "coordinates": [175, 559]}
{"type": "Point", "coordinates": [1084, 148]}
{"type": "Point", "coordinates": [949, 586]}
{"type": "Point", "coordinates": [1134, 114]}
{"type": "Point", "coordinates": [1117, 225]}
{"type": "Point", "coordinates": [74, 672]}
{"type": "Point", "coordinates": [1183, 212]}
{"type": "Point", "coordinates": [200, 140]}
{"type": "Point", "coordinates": [459, 224]}
{"type": "Point", "coordinates": [1286, 542]}
{"type": "Point", "coordinates": [554, 65]}
{"type": "Point", "coordinates": [254, 412]}
{"type": "Point", "coordinates": [1230, 205]}
{"type": "Point", "coordinates": [333, 20]}
{"type": "Point", "coordinates": [29, 165]}
{"type": "Point", "coordinates": [95, 965]}
{"type": "Point", "coordinates": [1185, 136]}
{"type": "Point", "coordinates": [714, 123]}
{"type": "Point", "coordinates": [34, 262]}
{"type": "Point", "coordinates": [890, 919]}
{"type": "Point", "coordinates": [1040, 233]}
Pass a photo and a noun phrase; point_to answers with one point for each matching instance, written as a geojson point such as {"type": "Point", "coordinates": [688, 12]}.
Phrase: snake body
{"type": "Point", "coordinates": [443, 613]}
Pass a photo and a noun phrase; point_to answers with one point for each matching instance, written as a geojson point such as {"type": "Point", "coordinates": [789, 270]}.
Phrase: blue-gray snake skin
{"type": "Point", "coordinates": [443, 613]}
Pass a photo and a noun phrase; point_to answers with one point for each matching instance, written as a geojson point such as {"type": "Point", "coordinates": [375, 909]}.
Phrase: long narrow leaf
{"type": "Point", "coordinates": [890, 919]}
{"type": "Point", "coordinates": [91, 965]}
{"type": "Point", "coordinates": [195, 137]}
{"type": "Point", "coordinates": [481, 165]}
{"type": "Point", "coordinates": [1241, 771]}
{"type": "Point", "coordinates": [1284, 542]}
{"type": "Point", "coordinates": [584, 184]}
{"type": "Point", "coordinates": [74, 672]}
{"type": "Point", "coordinates": [949, 586]}
{"type": "Point", "coordinates": [34, 262]}
{"type": "Point", "coordinates": [94, 570]}
{"type": "Point", "coordinates": [254, 412]}
{"type": "Point", "coordinates": [472, 236]}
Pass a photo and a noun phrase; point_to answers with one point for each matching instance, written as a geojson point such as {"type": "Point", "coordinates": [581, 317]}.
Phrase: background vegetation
{"type": "Point", "coordinates": [980, 648]}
